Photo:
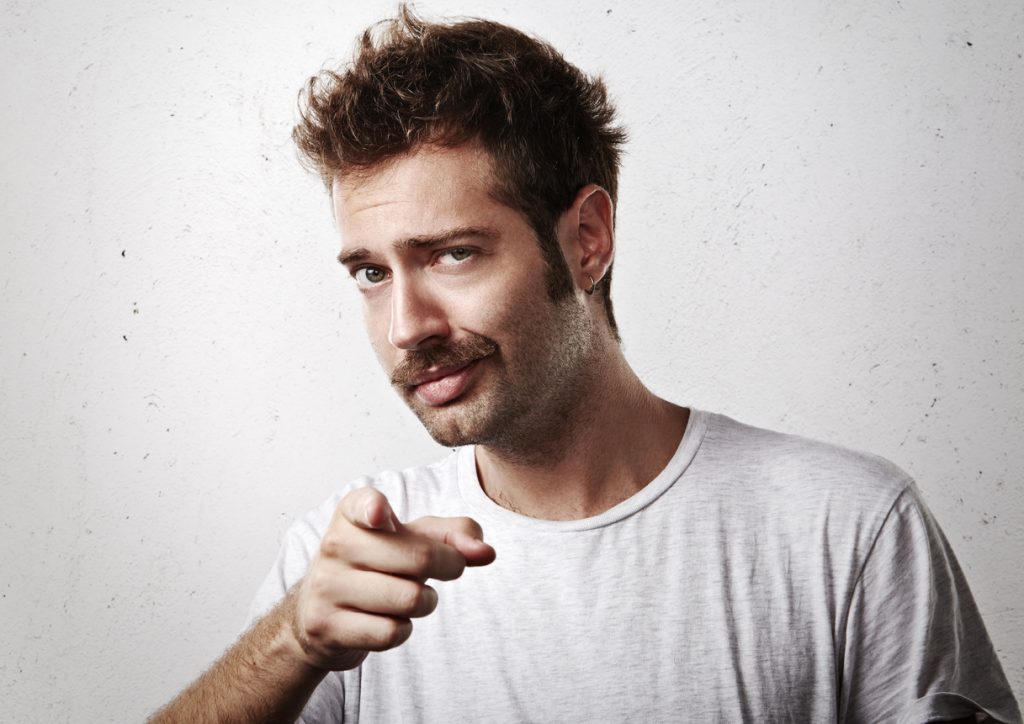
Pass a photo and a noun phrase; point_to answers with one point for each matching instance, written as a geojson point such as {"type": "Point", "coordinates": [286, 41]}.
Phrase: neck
{"type": "Point", "coordinates": [609, 443]}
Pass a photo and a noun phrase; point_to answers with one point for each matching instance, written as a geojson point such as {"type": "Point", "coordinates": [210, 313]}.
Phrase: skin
{"type": "Point", "coordinates": [359, 595]}
{"type": "Point", "coordinates": [457, 310]}
{"type": "Point", "coordinates": [563, 427]}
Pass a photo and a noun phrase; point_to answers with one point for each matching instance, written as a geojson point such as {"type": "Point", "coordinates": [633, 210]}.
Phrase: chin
{"type": "Point", "coordinates": [451, 441]}
{"type": "Point", "coordinates": [454, 425]}
{"type": "Point", "coordinates": [450, 435]}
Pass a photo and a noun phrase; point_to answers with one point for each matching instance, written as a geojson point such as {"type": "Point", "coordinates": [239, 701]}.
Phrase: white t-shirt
{"type": "Point", "coordinates": [759, 577]}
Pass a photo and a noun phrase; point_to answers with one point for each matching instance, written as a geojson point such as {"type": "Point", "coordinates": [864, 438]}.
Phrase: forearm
{"type": "Point", "coordinates": [262, 678]}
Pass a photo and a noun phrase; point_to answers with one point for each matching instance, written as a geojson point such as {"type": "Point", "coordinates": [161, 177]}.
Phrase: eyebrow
{"type": "Point", "coordinates": [423, 242]}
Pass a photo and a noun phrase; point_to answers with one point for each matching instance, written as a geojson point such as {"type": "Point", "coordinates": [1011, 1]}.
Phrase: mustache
{"type": "Point", "coordinates": [456, 354]}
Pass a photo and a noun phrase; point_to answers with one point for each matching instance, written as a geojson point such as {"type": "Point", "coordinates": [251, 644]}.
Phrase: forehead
{"type": "Point", "coordinates": [425, 191]}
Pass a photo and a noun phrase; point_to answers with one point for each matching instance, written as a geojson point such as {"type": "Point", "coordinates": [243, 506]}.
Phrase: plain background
{"type": "Point", "coordinates": [820, 231]}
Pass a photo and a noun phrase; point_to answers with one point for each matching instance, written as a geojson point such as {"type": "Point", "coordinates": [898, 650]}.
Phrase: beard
{"type": "Point", "coordinates": [526, 388]}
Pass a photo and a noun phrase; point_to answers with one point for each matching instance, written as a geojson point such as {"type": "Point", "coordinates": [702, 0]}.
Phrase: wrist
{"type": "Point", "coordinates": [293, 643]}
{"type": "Point", "coordinates": [289, 642]}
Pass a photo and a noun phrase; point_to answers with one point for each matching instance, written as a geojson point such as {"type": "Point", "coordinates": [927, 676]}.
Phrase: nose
{"type": "Point", "coordinates": [418, 319]}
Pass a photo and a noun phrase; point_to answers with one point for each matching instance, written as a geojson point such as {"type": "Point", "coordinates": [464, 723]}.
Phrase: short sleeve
{"type": "Point", "coordinates": [916, 649]}
{"type": "Point", "coordinates": [291, 563]}
{"type": "Point", "coordinates": [327, 703]}
{"type": "Point", "coordinates": [298, 547]}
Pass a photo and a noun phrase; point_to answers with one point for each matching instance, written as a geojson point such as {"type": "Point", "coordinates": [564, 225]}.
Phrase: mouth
{"type": "Point", "coordinates": [440, 386]}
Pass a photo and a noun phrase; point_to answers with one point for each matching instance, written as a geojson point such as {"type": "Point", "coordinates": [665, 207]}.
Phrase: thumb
{"type": "Point", "coordinates": [462, 534]}
{"type": "Point", "coordinates": [369, 508]}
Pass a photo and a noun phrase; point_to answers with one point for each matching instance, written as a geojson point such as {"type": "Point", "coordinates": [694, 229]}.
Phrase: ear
{"type": "Point", "coordinates": [587, 235]}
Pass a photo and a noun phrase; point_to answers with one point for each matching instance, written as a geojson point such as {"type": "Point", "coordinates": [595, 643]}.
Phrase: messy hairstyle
{"type": "Point", "coordinates": [548, 128]}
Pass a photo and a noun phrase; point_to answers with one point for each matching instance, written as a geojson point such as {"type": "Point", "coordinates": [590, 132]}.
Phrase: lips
{"type": "Point", "coordinates": [441, 386]}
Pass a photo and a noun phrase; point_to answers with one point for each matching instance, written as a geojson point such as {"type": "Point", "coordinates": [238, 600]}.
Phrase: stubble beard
{"type": "Point", "coordinates": [528, 396]}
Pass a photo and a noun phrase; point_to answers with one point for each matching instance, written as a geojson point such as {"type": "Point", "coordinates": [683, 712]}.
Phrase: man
{"type": "Point", "coordinates": [654, 563]}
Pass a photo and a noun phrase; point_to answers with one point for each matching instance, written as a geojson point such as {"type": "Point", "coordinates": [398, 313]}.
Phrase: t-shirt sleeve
{"type": "Point", "coordinates": [916, 649]}
{"type": "Point", "coordinates": [298, 547]}
{"type": "Point", "coordinates": [300, 543]}
{"type": "Point", "coordinates": [293, 558]}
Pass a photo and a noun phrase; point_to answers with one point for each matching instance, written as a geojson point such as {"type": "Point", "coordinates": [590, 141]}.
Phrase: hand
{"type": "Point", "coordinates": [368, 578]}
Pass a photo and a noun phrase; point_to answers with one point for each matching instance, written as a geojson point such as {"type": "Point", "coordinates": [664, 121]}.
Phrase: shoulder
{"type": "Point", "coordinates": [771, 463]}
{"type": "Point", "coordinates": [801, 491]}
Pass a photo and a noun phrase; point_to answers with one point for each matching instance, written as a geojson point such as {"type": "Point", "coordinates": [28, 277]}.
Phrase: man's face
{"type": "Point", "coordinates": [456, 303]}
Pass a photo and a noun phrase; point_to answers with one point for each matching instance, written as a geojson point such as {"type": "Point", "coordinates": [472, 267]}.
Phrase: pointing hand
{"type": "Point", "coordinates": [369, 578]}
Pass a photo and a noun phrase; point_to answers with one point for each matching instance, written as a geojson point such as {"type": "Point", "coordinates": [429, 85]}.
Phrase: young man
{"type": "Point", "coordinates": [654, 563]}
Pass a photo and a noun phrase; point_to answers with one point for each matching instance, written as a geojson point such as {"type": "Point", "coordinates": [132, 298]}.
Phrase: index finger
{"type": "Point", "coordinates": [463, 534]}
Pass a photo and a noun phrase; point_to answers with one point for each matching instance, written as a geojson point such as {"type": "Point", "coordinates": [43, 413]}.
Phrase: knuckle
{"type": "Point", "coordinates": [329, 545]}
{"type": "Point", "coordinates": [448, 567]}
{"type": "Point", "coordinates": [406, 599]}
{"type": "Point", "coordinates": [469, 527]}
{"type": "Point", "coordinates": [315, 627]}
{"type": "Point", "coordinates": [318, 583]}
{"type": "Point", "coordinates": [322, 637]}
{"type": "Point", "coordinates": [393, 632]}
{"type": "Point", "coordinates": [423, 559]}
{"type": "Point", "coordinates": [457, 568]}
{"type": "Point", "coordinates": [334, 545]}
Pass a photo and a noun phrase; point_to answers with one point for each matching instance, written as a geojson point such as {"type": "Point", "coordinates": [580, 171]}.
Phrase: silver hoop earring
{"type": "Point", "coordinates": [593, 285]}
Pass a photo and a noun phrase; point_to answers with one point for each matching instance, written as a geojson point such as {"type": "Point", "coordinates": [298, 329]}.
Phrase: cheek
{"type": "Point", "coordinates": [508, 297]}
{"type": "Point", "coordinates": [491, 314]}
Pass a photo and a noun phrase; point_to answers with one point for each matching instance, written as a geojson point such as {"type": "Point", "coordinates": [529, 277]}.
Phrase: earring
{"type": "Point", "coordinates": [593, 285]}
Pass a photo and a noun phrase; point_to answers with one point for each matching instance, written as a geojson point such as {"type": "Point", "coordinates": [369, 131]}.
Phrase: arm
{"type": "Point", "coordinates": [263, 677]}
{"type": "Point", "coordinates": [361, 590]}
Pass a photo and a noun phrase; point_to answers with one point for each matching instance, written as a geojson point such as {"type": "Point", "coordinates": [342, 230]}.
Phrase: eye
{"type": "Point", "coordinates": [454, 256]}
{"type": "Point", "coordinates": [369, 276]}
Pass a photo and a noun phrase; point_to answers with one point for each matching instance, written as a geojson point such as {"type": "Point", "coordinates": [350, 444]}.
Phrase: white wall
{"type": "Point", "coordinates": [820, 231]}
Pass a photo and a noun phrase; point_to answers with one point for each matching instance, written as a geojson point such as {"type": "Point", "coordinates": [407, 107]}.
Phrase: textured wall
{"type": "Point", "coordinates": [819, 226]}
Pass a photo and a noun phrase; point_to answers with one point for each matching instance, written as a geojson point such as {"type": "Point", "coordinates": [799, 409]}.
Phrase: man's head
{"type": "Point", "coordinates": [472, 171]}
{"type": "Point", "coordinates": [455, 295]}
{"type": "Point", "coordinates": [548, 128]}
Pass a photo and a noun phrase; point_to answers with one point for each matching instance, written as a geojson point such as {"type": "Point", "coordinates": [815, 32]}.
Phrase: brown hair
{"type": "Point", "coordinates": [548, 127]}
